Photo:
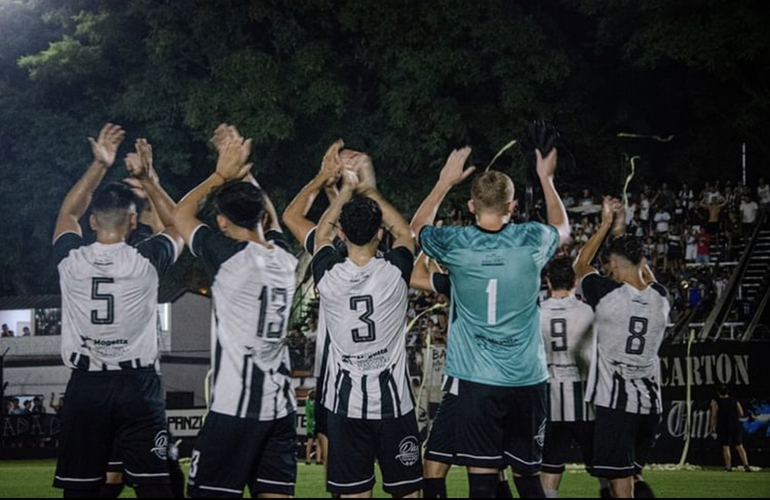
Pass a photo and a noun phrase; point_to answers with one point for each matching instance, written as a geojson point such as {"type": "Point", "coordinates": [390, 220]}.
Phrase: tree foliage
{"type": "Point", "coordinates": [406, 81]}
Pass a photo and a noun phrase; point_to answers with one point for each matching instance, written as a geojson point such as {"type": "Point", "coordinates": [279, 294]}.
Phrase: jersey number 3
{"type": "Point", "coordinates": [359, 334]}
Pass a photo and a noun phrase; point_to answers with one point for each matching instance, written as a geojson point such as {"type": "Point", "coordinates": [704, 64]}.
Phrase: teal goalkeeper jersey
{"type": "Point", "coordinates": [495, 334]}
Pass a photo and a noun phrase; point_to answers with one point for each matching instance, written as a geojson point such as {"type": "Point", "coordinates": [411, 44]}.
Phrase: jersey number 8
{"type": "Point", "coordinates": [637, 342]}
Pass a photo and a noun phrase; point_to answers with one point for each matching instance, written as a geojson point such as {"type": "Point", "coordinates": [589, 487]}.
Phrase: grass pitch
{"type": "Point", "coordinates": [32, 479]}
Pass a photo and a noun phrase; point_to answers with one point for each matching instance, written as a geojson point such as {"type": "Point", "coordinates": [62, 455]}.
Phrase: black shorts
{"type": "Point", "coordinates": [115, 465]}
{"type": "Point", "coordinates": [730, 437]}
{"type": "Point", "coordinates": [559, 437]}
{"type": "Point", "coordinates": [499, 427]}
{"type": "Point", "coordinates": [441, 446]}
{"type": "Point", "coordinates": [622, 443]}
{"type": "Point", "coordinates": [232, 453]}
{"type": "Point", "coordinates": [354, 446]}
{"type": "Point", "coordinates": [321, 420]}
{"type": "Point", "coordinates": [105, 408]}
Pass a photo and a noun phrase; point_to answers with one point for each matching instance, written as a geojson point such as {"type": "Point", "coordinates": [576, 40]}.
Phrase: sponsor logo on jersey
{"type": "Point", "coordinates": [409, 452]}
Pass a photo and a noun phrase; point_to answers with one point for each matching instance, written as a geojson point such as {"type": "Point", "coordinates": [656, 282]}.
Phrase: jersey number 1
{"type": "Point", "coordinates": [492, 303]}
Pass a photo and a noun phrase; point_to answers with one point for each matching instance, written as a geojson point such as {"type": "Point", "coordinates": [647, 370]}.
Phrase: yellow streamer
{"type": "Point", "coordinates": [629, 179]}
{"type": "Point", "coordinates": [501, 153]}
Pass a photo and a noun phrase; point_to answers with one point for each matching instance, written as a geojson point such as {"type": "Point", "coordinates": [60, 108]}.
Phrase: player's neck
{"type": "Point", "coordinates": [633, 277]}
{"type": "Point", "coordinates": [491, 222]}
{"type": "Point", "coordinates": [110, 237]}
{"type": "Point", "coordinates": [562, 294]}
{"type": "Point", "coordinates": [253, 236]}
{"type": "Point", "coordinates": [361, 256]}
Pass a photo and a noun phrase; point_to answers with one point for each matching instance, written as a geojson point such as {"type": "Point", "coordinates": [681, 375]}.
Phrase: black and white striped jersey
{"type": "Point", "coordinates": [630, 328]}
{"type": "Point", "coordinates": [110, 301]}
{"type": "Point", "coordinates": [253, 291]}
{"type": "Point", "coordinates": [567, 326]}
{"type": "Point", "coordinates": [364, 312]}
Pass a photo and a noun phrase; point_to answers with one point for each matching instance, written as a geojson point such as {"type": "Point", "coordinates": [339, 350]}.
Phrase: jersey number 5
{"type": "Point", "coordinates": [108, 299]}
{"type": "Point", "coordinates": [370, 335]}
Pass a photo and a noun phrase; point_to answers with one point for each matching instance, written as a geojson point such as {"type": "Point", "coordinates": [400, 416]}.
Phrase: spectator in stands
{"type": "Point", "coordinates": [714, 208]}
{"type": "Point", "coordinates": [763, 194]}
{"type": "Point", "coordinates": [586, 199]}
{"type": "Point", "coordinates": [644, 211]}
{"type": "Point", "coordinates": [310, 427]}
{"type": "Point", "coordinates": [749, 212]}
{"type": "Point", "coordinates": [662, 221]}
{"type": "Point", "coordinates": [37, 407]}
{"type": "Point", "coordinates": [27, 408]}
{"type": "Point", "coordinates": [679, 215]}
{"type": "Point", "coordinates": [666, 197]}
{"type": "Point", "coordinates": [687, 196]}
{"type": "Point", "coordinates": [704, 247]}
{"type": "Point", "coordinates": [692, 244]}
{"type": "Point", "coordinates": [675, 256]}
{"type": "Point", "coordinates": [6, 332]}
{"type": "Point", "coordinates": [726, 415]}
{"type": "Point", "coordinates": [26, 332]}
{"type": "Point", "coordinates": [15, 409]}
{"type": "Point", "coordinates": [58, 408]}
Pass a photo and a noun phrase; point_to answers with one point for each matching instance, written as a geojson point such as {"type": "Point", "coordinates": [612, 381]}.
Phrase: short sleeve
{"type": "Point", "coordinates": [142, 233]}
{"type": "Point", "coordinates": [64, 244]}
{"type": "Point", "coordinates": [160, 251]}
{"type": "Point", "coordinates": [661, 290]}
{"type": "Point", "coordinates": [436, 242]}
{"type": "Point", "coordinates": [278, 239]}
{"type": "Point", "coordinates": [324, 261]}
{"type": "Point", "coordinates": [214, 248]}
{"type": "Point", "coordinates": [595, 288]}
{"type": "Point", "coordinates": [403, 259]}
{"type": "Point", "coordinates": [549, 243]}
{"type": "Point", "coordinates": [441, 284]}
{"type": "Point", "coordinates": [310, 241]}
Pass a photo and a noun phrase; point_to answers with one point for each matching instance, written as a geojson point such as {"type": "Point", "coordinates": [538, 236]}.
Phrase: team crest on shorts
{"type": "Point", "coordinates": [408, 452]}
{"type": "Point", "coordinates": [161, 445]}
{"type": "Point", "coordinates": [540, 438]}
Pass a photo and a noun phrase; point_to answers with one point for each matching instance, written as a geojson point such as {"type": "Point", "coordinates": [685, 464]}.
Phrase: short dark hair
{"type": "Point", "coordinates": [242, 203]}
{"type": "Point", "coordinates": [723, 390]}
{"type": "Point", "coordinates": [629, 248]}
{"type": "Point", "coordinates": [561, 274]}
{"type": "Point", "coordinates": [361, 219]}
{"type": "Point", "coordinates": [113, 204]}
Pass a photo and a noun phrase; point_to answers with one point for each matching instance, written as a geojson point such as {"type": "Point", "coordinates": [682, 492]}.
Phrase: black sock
{"type": "Point", "coordinates": [504, 489]}
{"type": "Point", "coordinates": [434, 488]}
{"type": "Point", "coordinates": [82, 494]}
{"type": "Point", "coordinates": [483, 485]}
{"type": "Point", "coordinates": [529, 487]}
{"type": "Point", "coordinates": [112, 490]}
{"type": "Point", "coordinates": [154, 491]}
{"type": "Point", "coordinates": [643, 490]}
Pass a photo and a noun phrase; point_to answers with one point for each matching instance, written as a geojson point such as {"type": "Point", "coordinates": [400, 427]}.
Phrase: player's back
{"type": "Point", "coordinates": [630, 329]}
{"type": "Point", "coordinates": [495, 319]}
{"type": "Point", "coordinates": [253, 290]}
{"type": "Point", "coordinates": [567, 327]}
{"type": "Point", "coordinates": [109, 302]}
{"type": "Point", "coordinates": [364, 311]}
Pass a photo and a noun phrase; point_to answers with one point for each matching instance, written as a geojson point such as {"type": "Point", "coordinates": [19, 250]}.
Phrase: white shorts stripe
{"type": "Point", "coordinates": [447, 455]}
{"type": "Point", "coordinates": [338, 485]}
{"type": "Point", "coordinates": [479, 458]}
{"type": "Point", "coordinates": [73, 480]}
{"type": "Point", "coordinates": [402, 483]}
{"type": "Point", "coordinates": [224, 490]}
{"type": "Point", "coordinates": [265, 481]}
{"type": "Point", "coordinates": [612, 468]}
{"type": "Point", "coordinates": [164, 474]}
{"type": "Point", "coordinates": [522, 461]}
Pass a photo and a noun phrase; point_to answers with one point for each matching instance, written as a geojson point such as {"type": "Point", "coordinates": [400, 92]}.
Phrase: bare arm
{"type": "Point", "coordinates": [583, 266]}
{"type": "Point", "coordinates": [230, 167]}
{"type": "Point", "coordinates": [79, 197]}
{"type": "Point", "coordinates": [714, 415]}
{"type": "Point", "coordinates": [452, 175]}
{"type": "Point", "coordinates": [557, 214]}
{"type": "Point", "coordinates": [741, 413]}
{"type": "Point", "coordinates": [421, 274]}
{"type": "Point", "coordinates": [327, 226]}
{"type": "Point", "coordinates": [295, 216]}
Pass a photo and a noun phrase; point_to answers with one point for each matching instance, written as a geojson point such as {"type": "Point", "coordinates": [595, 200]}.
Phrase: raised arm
{"type": "Point", "coordinates": [583, 266]}
{"type": "Point", "coordinates": [557, 214]}
{"type": "Point", "coordinates": [79, 197]}
{"type": "Point", "coordinates": [421, 274]}
{"type": "Point", "coordinates": [231, 166]}
{"type": "Point", "coordinates": [140, 167]}
{"type": "Point", "coordinates": [452, 175]}
{"type": "Point", "coordinates": [295, 216]}
{"type": "Point", "coordinates": [149, 215]}
{"type": "Point", "coordinates": [327, 226]}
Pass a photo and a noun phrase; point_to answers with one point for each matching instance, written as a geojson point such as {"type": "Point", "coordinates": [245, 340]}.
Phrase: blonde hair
{"type": "Point", "coordinates": [492, 191]}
